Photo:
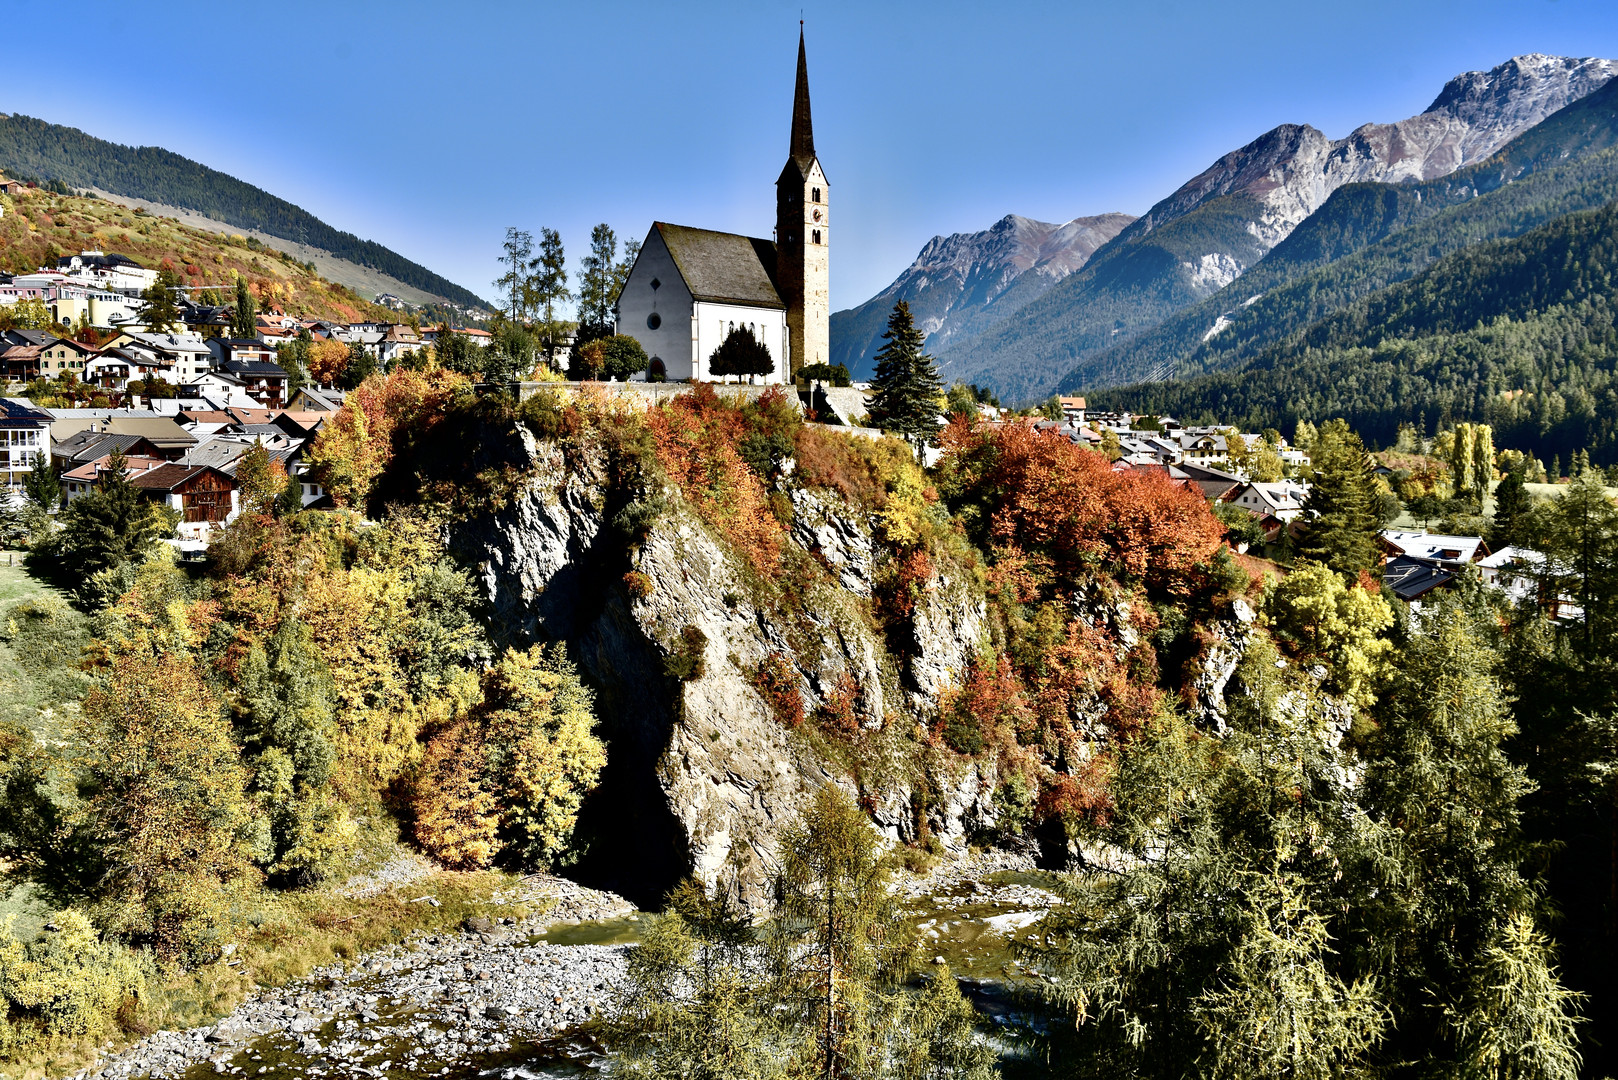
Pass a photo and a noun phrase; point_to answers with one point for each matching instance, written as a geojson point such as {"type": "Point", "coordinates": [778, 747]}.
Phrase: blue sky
{"type": "Point", "coordinates": [430, 127]}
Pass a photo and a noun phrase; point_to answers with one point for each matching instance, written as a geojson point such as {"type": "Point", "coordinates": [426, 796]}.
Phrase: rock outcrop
{"type": "Point", "coordinates": [673, 628]}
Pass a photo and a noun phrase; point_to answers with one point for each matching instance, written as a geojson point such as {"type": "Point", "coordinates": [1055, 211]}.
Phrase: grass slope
{"type": "Point", "coordinates": [38, 226]}
{"type": "Point", "coordinates": [40, 150]}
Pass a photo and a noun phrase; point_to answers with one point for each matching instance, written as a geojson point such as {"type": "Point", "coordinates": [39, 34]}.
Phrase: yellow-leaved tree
{"type": "Point", "coordinates": [507, 780]}
{"type": "Point", "coordinates": [1314, 612]}
{"type": "Point", "coordinates": [167, 810]}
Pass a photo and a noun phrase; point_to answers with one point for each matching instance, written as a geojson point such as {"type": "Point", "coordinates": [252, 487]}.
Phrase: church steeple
{"type": "Point", "coordinates": [803, 128]}
{"type": "Point", "coordinates": [803, 235]}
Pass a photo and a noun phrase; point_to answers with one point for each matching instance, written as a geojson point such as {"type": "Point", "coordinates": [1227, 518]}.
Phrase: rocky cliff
{"type": "Point", "coordinates": [673, 629]}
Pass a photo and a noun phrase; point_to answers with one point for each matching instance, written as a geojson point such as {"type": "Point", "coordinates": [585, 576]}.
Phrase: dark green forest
{"type": "Point", "coordinates": [1515, 333]}
{"type": "Point", "coordinates": [1369, 236]}
{"type": "Point", "coordinates": [49, 152]}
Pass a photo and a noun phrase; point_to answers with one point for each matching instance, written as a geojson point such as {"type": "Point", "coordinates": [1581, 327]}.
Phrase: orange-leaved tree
{"type": "Point", "coordinates": [327, 361]}
{"type": "Point", "coordinates": [1067, 511]}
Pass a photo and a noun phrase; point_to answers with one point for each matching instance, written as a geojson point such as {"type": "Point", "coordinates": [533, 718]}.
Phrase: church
{"type": "Point", "coordinates": [689, 287]}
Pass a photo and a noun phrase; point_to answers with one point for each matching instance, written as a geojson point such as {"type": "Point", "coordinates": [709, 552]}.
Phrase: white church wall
{"type": "Point", "coordinates": [711, 322]}
{"type": "Point", "coordinates": [670, 339]}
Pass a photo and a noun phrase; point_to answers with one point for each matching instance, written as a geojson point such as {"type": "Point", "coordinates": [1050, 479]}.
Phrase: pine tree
{"type": "Point", "coordinates": [111, 525]}
{"type": "Point", "coordinates": [43, 483]}
{"type": "Point", "coordinates": [1342, 504]}
{"type": "Point", "coordinates": [161, 311]}
{"type": "Point", "coordinates": [906, 389]}
{"type": "Point", "coordinates": [244, 316]}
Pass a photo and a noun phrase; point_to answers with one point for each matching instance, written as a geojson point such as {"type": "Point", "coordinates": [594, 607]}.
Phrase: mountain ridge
{"type": "Point", "coordinates": [1222, 221]}
{"type": "Point", "coordinates": [39, 149]}
{"type": "Point", "coordinates": [961, 283]}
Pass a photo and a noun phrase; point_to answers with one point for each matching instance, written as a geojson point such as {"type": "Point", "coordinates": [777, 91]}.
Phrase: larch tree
{"type": "Point", "coordinates": [516, 253]}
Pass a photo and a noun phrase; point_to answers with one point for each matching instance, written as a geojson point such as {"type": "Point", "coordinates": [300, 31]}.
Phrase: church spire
{"type": "Point", "coordinates": [803, 130]}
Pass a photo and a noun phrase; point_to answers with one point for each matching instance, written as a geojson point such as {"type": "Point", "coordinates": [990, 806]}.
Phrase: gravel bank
{"type": "Point", "coordinates": [428, 1008]}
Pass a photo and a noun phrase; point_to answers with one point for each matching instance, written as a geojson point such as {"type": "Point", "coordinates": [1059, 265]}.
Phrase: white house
{"type": "Point", "coordinates": [1282, 500]}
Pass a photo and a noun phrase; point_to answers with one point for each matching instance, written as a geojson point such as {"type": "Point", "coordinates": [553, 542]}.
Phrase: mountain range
{"type": "Point", "coordinates": [1076, 330]}
{"type": "Point", "coordinates": [166, 183]}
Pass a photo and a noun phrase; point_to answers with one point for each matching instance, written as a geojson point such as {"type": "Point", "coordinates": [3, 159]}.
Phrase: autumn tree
{"type": "Point", "coordinates": [166, 806]}
{"type": "Point", "coordinates": [508, 780]}
{"type": "Point", "coordinates": [327, 360]}
{"type": "Point", "coordinates": [259, 479]}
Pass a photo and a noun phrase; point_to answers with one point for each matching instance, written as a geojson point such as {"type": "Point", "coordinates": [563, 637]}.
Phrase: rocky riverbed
{"type": "Point", "coordinates": [444, 1005]}
{"type": "Point", "coordinates": [502, 992]}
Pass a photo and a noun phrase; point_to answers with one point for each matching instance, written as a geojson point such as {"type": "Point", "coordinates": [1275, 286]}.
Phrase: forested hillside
{"type": "Point", "coordinates": [39, 150]}
{"type": "Point", "coordinates": [1368, 236]}
{"type": "Point", "coordinates": [1516, 333]}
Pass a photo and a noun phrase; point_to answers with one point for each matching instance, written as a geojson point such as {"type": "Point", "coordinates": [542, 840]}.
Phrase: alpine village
{"type": "Point", "coordinates": [1170, 646]}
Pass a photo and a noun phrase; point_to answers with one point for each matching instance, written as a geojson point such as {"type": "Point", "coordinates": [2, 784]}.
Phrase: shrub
{"type": "Point", "coordinates": [638, 585]}
{"type": "Point", "coordinates": [69, 983]}
{"type": "Point", "coordinates": [687, 663]}
{"type": "Point", "coordinates": [776, 681]}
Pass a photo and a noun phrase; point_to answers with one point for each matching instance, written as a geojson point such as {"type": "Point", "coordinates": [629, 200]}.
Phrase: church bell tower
{"type": "Point", "coordinates": [803, 236]}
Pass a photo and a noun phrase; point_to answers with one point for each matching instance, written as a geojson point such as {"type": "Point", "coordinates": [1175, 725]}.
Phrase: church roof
{"type": "Point", "coordinates": [723, 268]}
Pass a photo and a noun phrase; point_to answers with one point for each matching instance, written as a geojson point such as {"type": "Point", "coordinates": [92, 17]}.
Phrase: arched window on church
{"type": "Point", "coordinates": [817, 194]}
{"type": "Point", "coordinates": [817, 236]}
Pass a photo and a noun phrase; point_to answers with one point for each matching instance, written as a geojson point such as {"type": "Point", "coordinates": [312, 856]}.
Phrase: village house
{"type": "Point", "coordinates": [265, 382]}
{"type": "Point", "coordinates": [205, 496]}
{"type": "Point", "coordinates": [24, 438]}
{"type": "Point", "coordinates": [82, 479]}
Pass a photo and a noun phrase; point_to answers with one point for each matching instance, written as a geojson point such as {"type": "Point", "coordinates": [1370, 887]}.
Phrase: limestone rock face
{"type": "Point", "coordinates": [703, 771]}
{"type": "Point", "coordinates": [1224, 655]}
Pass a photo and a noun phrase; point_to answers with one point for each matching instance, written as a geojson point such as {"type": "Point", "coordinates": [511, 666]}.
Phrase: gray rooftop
{"type": "Point", "coordinates": [723, 267]}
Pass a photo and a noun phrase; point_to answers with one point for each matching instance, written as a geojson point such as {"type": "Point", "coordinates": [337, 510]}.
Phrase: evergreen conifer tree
{"type": "Point", "coordinates": [161, 312]}
{"type": "Point", "coordinates": [1342, 504]}
{"type": "Point", "coordinates": [906, 388]}
{"type": "Point", "coordinates": [1511, 503]}
{"type": "Point", "coordinates": [244, 316]}
{"type": "Point", "coordinates": [43, 483]}
{"type": "Point", "coordinates": [111, 525]}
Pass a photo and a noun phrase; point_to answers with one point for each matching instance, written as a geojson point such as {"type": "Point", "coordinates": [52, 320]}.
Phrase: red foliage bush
{"type": "Point", "coordinates": [776, 680]}
{"type": "Point", "coordinates": [697, 441]}
{"type": "Point", "coordinates": [1041, 495]}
